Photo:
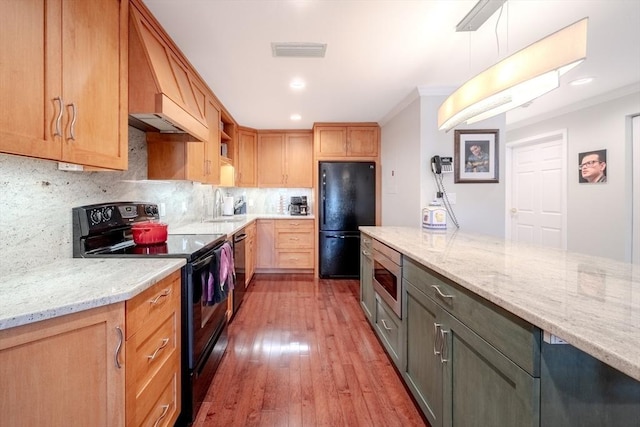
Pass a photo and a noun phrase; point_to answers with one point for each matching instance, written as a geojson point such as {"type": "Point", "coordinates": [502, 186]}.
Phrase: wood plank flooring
{"type": "Point", "coordinates": [301, 353]}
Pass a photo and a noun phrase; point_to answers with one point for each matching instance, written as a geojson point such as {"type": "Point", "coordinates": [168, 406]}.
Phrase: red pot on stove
{"type": "Point", "coordinates": [149, 233]}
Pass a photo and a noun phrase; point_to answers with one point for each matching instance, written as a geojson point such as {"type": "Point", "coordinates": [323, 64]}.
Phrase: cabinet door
{"type": "Point", "coordinates": [422, 367]}
{"type": "Point", "coordinates": [265, 236]}
{"type": "Point", "coordinates": [62, 371]}
{"type": "Point", "coordinates": [362, 141]}
{"type": "Point", "coordinates": [502, 392]}
{"type": "Point", "coordinates": [212, 146]}
{"type": "Point", "coordinates": [271, 160]}
{"type": "Point", "coordinates": [367, 296]}
{"type": "Point", "coordinates": [30, 40]}
{"type": "Point", "coordinates": [94, 60]}
{"type": "Point", "coordinates": [250, 252]}
{"type": "Point", "coordinates": [299, 160]}
{"type": "Point", "coordinates": [246, 167]}
{"type": "Point", "coordinates": [330, 141]}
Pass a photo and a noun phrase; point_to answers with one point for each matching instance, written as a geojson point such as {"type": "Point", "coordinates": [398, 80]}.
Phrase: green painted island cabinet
{"type": "Point", "coordinates": [367, 295]}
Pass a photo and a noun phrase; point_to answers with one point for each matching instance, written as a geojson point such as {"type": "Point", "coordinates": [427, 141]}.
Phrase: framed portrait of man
{"type": "Point", "coordinates": [592, 167]}
{"type": "Point", "coordinates": [476, 156]}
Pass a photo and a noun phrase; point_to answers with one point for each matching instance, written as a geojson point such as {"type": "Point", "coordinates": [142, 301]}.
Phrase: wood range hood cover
{"type": "Point", "coordinates": [164, 92]}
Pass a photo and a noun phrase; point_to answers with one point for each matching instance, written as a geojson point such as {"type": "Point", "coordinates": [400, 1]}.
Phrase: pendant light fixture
{"type": "Point", "coordinates": [517, 79]}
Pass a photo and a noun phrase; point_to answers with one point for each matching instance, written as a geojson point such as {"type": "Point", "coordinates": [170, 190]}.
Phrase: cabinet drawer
{"type": "Point", "coordinates": [159, 401]}
{"type": "Point", "coordinates": [288, 239]}
{"type": "Point", "coordinates": [147, 352]}
{"type": "Point", "coordinates": [388, 327]}
{"type": "Point", "coordinates": [515, 338]}
{"type": "Point", "coordinates": [294, 259]}
{"type": "Point", "coordinates": [153, 305]}
{"type": "Point", "coordinates": [294, 224]}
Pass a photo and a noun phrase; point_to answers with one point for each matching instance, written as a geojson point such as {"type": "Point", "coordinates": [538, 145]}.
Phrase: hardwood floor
{"type": "Point", "coordinates": [301, 353]}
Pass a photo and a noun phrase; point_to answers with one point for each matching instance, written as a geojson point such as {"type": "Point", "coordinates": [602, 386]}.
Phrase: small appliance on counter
{"type": "Point", "coordinates": [299, 205]}
{"type": "Point", "coordinates": [240, 207]}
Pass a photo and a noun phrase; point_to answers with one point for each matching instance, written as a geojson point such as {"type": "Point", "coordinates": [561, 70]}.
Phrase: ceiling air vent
{"type": "Point", "coordinates": [299, 50]}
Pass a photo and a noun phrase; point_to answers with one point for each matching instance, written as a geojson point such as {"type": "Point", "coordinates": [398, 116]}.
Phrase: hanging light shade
{"type": "Point", "coordinates": [517, 79]}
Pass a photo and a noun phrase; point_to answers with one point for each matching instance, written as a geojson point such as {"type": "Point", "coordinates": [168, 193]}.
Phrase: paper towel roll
{"type": "Point", "coordinates": [227, 206]}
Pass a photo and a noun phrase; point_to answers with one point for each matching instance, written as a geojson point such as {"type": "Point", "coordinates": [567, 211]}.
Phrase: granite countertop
{"type": "Point", "coordinates": [77, 284]}
{"type": "Point", "coordinates": [229, 225]}
{"type": "Point", "coordinates": [592, 303]}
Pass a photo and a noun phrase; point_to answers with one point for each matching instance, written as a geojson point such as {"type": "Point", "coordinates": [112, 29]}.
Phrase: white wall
{"type": "Point", "coordinates": [479, 207]}
{"type": "Point", "coordinates": [598, 215]}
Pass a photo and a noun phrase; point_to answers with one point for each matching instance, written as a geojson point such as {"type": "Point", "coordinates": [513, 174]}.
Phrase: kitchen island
{"type": "Point", "coordinates": [493, 318]}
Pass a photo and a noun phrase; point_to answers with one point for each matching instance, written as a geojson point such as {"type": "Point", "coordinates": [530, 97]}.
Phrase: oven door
{"type": "Point", "coordinates": [386, 281]}
{"type": "Point", "coordinates": [203, 321]}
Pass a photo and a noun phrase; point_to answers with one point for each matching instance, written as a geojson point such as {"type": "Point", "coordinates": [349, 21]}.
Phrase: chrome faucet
{"type": "Point", "coordinates": [217, 203]}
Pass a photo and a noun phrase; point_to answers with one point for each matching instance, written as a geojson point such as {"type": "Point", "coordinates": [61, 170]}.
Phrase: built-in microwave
{"type": "Point", "coordinates": [387, 276]}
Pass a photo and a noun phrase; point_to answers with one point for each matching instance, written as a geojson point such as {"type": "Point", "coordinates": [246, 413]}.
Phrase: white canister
{"type": "Point", "coordinates": [227, 206]}
{"type": "Point", "coordinates": [434, 216]}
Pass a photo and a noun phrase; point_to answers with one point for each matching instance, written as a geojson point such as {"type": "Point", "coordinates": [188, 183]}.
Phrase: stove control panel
{"type": "Point", "coordinates": [94, 219]}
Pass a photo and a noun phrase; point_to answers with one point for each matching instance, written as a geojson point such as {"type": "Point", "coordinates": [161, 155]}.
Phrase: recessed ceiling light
{"type": "Point", "coordinates": [295, 117]}
{"type": "Point", "coordinates": [582, 81]}
{"type": "Point", "coordinates": [297, 84]}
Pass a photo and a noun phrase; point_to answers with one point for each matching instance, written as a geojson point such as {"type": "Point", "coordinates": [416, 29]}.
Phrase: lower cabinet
{"type": "Point", "coordinates": [153, 355]}
{"type": "Point", "coordinates": [367, 294]}
{"type": "Point", "coordinates": [65, 371]}
{"type": "Point", "coordinates": [285, 244]}
{"type": "Point", "coordinates": [389, 329]}
{"type": "Point", "coordinates": [250, 252]}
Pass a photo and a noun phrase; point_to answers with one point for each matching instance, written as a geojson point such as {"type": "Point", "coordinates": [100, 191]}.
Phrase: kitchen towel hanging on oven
{"type": "Point", "coordinates": [221, 276]}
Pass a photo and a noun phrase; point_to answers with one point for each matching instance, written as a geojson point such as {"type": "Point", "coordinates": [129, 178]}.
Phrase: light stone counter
{"type": "Point", "coordinates": [77, 284]}
{"type": "Point", "coordinates": [592, 303]}
{"type": "Point", "coordinates": [229, 225]}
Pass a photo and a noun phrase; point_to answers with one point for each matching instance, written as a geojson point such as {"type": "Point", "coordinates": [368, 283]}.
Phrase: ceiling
{"type": "Point", "coordinates": [380, 51]}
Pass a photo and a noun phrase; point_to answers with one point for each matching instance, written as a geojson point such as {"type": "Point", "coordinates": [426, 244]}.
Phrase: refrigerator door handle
{"type": "Point", "coordinates": [324, 197]}
{"type": "Point", "coordinates": [341, 236]}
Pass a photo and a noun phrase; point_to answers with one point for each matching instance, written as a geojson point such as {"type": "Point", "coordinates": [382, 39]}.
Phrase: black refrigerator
{"type": "Point", "coordinates": [347, 201]}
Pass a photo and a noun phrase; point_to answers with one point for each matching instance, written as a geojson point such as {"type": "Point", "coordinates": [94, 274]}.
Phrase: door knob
{"type": "Point", "coordinates": [514, 210]}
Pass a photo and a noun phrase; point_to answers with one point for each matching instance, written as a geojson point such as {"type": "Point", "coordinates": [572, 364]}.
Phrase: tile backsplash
{"type": "Point", "coordinates": [36, 201]}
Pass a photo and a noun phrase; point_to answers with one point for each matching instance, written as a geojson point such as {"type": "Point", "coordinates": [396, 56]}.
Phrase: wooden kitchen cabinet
{"type": "Point", "coordinates": [335, 141]}
{"type": "Point", "coordinates": [250, 251]}
{"type": "Point", "coordinates": [63, 372]}
{"type": "Point", "coordinates": [285, 244]}
{"type": "Point", "coordinates": [285, 159]}
{"type": "Point", "coordinates": [455, 370]}
{"type": "Point", "coordinates": [64, 81]}
{"type": "Point", "coordinates": [367, 295]}
{"type": "Point", "coordinates": [246, 161]}
{"type": "Point", "coordinates": [153, 343]}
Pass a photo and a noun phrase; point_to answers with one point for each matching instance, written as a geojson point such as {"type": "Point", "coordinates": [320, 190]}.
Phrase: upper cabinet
{"type": "Point", "coordinates": [63, 81]}
{"type": "Point", "coordinates": [346, 140]}
{"type": "Point", "coordinates": [164, 90]}
{"type": "Point", "coordinates": [285, 159]}
{"type": "Point", "coordinates": [246, 165]}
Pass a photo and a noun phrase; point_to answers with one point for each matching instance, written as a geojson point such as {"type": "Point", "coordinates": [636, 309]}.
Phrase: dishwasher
{"type": "Point", "coordinates": [239, 263]}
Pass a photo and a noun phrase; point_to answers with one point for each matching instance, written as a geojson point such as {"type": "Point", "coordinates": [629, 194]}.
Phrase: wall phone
{"type": "Point", "coordinates": [441, 164]}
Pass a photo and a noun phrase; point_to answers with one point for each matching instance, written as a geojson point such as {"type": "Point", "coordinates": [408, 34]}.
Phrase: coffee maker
{"type": "Point", "coordinates": [299, 205]}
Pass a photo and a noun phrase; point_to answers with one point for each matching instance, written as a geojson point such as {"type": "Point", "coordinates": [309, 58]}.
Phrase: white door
{"type": "Point", "coordinates": [536, 190]}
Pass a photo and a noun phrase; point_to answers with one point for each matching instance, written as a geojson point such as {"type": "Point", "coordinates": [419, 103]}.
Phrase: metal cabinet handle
{"type": "Point", "coordinates": [437, 288]}
{"type": "Point", "coordinates": [58, 132]}
{"type": "Point", "coordinates": [165, 409]}
{"type": "Point", "coordinates": [72, 129]}
{"type": "Point", "coordinates": [443, 354]}
{"type": "Point", "coordinates": [118, 347]}
{"type": "Point", "coordinates": [155, 301]}
{"type": "Point", "coordinates": [436, 340]}
{"type": "Point", "coordinates": [165, 341]}
{"type": "Point", "coordinates": [384, 324]}
{"type": "Point", "coordinates": [365, 253]}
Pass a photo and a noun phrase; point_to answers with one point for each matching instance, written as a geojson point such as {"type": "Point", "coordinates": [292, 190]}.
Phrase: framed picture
{"type": "Point", "coordinates": [592, 167]}
{"type": "Point", "coordinates": [476, 156]}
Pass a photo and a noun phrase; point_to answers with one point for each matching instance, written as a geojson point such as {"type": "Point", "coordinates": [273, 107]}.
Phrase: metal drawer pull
{"type": "Point", "coordinates": [118, 347]}
{"type": "Point", "coordinates": [437, 288]}
{"type": "Point", "coordinates": [384, 324]}
{"type": "Point", "coordinates": [165, 341]}
{"type": "Point", "coordinates": [59, 118]}
{"type": "Point", "coordinates": [436, 336]}
{"type": "Point", "coordinates": [72, 129]}
{"type": "Point", "coordinates": [365, 253]}
{"type": "Point", "coordinates": [165, 409]}
{"type": "Point", "coordinates": [166, 293]}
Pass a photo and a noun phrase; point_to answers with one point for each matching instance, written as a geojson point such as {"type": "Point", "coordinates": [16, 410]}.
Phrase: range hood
{"type": "Point", "coordinates": [164, 95]}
